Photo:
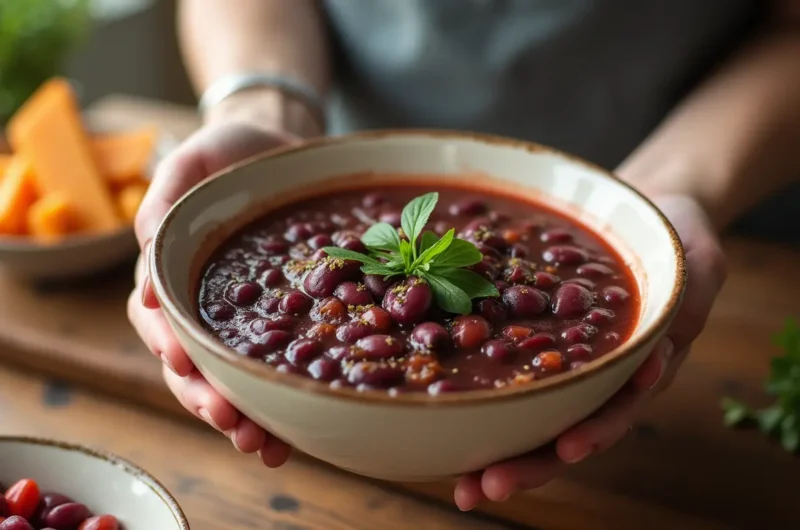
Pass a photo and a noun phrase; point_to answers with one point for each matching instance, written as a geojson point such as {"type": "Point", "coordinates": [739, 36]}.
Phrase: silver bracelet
{"type": "Point", "coordinates": [225, 87]}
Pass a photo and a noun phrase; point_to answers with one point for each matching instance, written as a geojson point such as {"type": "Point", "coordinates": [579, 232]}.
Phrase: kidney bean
{"type": "Point", "coordinates": [259, 326]}
{"type": "Point", "coordinates": [243, 293]}
{"type": "Point", "coordinates": [330, 310]}
{"type": "Point", "coordinates": [323, 369]}
{"type": "Point", "coordinates": [468, 206]}
{"type": "Point", "coordinates": [23, 497]}
{"type": "Point", "coordinates": [583, 282]}
{"type": "Point", "coordinates": [613, 338]}
{"type": "Point", "coordinates": [564, 255]}
{"type": "Point", "coordinates": [15, 522]}
{"type": "Point", "coordinates": [517, 333]}
{"type": "Point", "coordinates": [372, 200]}
{"type": "Point", "coordinates": [479, 224]}
{"type": "Point", "coordinates": [274, 247]}
{"type": "Point", "coordinates": [538, 341]}
{"type": "Point", "coordinates": [556, 235]}
{"type": "Point", "coordinates": [594, 270]}
{"type": "Point", "coordinates": [377, 318]}
{"type": "Point", "coordinates": [393, 218]}
{"type": "Point", "coordinates": [286, 368]}
{"type": "Point", "coordinates": [377, 285]}
{"type": "Point", "coordinates": [485, 268]}
{"type": "Point", "coordinates": [408, 302]}
{"type": "Point", "coordinates": [220, 312]}
{"type": "Point", "coordinates": [301, 351]}
{"type": "Point", "coordinates": [578, 333]}
{"type": "Point", "coordinates": [469, 331]}
{"type": "Point", "coordinates": [376, 347]}
{"type": "Point", "coordinates": [518, 251]}
{"type": "Point", "coordinates": [497, 350]}
{"type": "Point", "coordinates": [545, 280]}
{"type": "Point", "coordinates": [297, 232]}
{"type": "Point", "coordinates": [252, 349]}
{"type": "Point", "coordinates": [501, 286]}
{"type": "Point", "coordinates": [431, 336]}
{"type": "Point", "coordinates": [572, 300]}
{"type": "Point", "coordinates": [296, 303]}
{"type": "Point", "coordinates": [548, 361]}
{"type": "Point", "coordinates": [318, 241]}
{"type": "Point", "coordinates": [323, 279]}
{"type": "Point", "coordinates": [598, 316]}
{"type": "Point", "coordinates": [353, 331]}
{"type": "Point", "coordinates": [100, 522]}
{"type": "Point", "coordinates": [352, 293]}
{"type": "Point", "coordinates": [269, 305]}
{"type": "Point", "coordinates": [321, 330]}
{"type": "Point", "coordinates": [524, 302]}
{"type": "Point", "coordinates": [48, 502]}
{"type": "Point", "coordinates": [442, 386]}
{"type": "Point", "coordinates": [67, 516]}
{"type": "Point", "coordinates": [615, 295]}
{"type": "Point", "coordinates": [517, 275]}
{"type": "Point", "coordinates": [492, 310]}
{"type": "Point", "coordinates": [373, 374]}
{"type": "Point", "coordinates": [579, 352]}
{"type": "Point", "coordinates": [272, 278]}
{"type": "Point", "coordinates": [355, 245]}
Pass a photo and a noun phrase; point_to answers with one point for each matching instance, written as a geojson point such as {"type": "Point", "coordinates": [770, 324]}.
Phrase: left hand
{"type": "Point", "coordinates": [705, 263]}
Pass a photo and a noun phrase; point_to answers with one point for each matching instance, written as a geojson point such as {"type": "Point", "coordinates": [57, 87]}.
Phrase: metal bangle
{"type": "Point", "coordinates": [227, 86]}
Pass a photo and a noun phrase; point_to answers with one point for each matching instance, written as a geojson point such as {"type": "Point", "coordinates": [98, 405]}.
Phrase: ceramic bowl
{"type": "Point", "coordinates": [103, 482]}
{"type": "Point", "coordinates": [416, 437]}
{"type": "Point", "coordinates": [78, 255]}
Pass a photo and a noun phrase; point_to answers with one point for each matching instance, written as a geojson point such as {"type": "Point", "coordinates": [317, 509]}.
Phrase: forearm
{"type": "Point", "coordinates": [733, 141]}
{"type": "Point", "coordinates": [220, 37]}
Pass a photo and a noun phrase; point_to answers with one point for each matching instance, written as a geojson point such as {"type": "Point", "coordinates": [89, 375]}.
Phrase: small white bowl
{"type": "Point", "coordinates": [105, 483]}
{"type": "Point", "coordinates": [416, 437]}
{"type": "Point", "coordinates": [78, 255]}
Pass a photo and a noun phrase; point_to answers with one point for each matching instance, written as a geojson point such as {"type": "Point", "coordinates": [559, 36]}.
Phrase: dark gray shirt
{"type": "Point", "coordinates": [592, 77]}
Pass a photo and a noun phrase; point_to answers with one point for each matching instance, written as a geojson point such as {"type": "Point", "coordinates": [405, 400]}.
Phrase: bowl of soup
{"type": "Point", "coordinates": [416, 305]}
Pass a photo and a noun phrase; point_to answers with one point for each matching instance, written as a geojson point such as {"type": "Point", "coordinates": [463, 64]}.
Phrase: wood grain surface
{"type": "Point", "coordinates": [679, 469]}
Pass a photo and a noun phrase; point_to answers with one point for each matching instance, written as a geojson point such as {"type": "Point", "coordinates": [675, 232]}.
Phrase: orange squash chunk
{"type": "Point", "coordinates": [5, 160]}
{"type": "Point", "coordinates": [130, 198]}
{"type": "Point", "coordinates": [49, 132]}
{"type": "Point", "coordinates": [49, 218]}
{"type": "Point", "coordinates": [124, 157]}
{"type": "Point", "coordinates": [17, 193]}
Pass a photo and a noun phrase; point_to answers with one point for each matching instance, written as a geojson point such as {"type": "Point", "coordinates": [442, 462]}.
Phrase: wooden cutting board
{"type": "Point", "coordinates": [680, 469]}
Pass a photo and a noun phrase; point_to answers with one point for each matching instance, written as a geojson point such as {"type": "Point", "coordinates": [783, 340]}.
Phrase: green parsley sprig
{"type": "Point", "coordinates": [782, 419]}
{"type": "Point", "coordinates": [440, 261]}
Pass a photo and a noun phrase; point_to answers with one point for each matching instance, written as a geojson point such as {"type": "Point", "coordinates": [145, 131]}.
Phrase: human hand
{"type": "Point", "coordinates": [212, 148]}
{"type": "Point", "coordinates": [706, 274]}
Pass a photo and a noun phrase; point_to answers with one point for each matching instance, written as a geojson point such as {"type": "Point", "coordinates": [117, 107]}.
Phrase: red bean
{"type": "Point", "coordinates": [524, 302]}
{"type": "Point", "coordinates": [579, 352]}
{"type": "Point", "coordinates": [565, 255]}
{"type": "Point", "coordinates": [518, 251]}
{"type": "Point", "coordinates": [469, 206]}
{"type": "Point", "coordinates": [497, 350]}
{"type": "Point", "coordinates": [298, 232]}
{"type": "Point", "coordinates": [595, 270]}
{"type": "Point", "coordinates": [615, 295]}
{"type": "Point", "coordinates": [296, 303]}
{"type": "Point", "coordinates": [324, 369]}
{"type": "Point", "coordinates": [556, 235]}
{"type": "Point", "coordinates": [340, 352]}
{"type": "Point", "coordinates": [372, 200]}
{"type": "Point", "coordinates": [393, 218]}
{"type": "Point", "coordinates": [612, 338]}
{"type": "Point", "coordinates": [353, 331]}
{"type": "Point", "coordinates": [377, 285]}
{"type": "Point", "coordinates": [330, 310]}
{"type": "Point", "coordinates": [252, 349]}
{"type": "Point", "coordinates": [378, 319]}
{"type": "Point", "coordinates": [492, 310]}
{"type": "Point", "coordinates": [501, 286]}
{"type": "Point", "coordinates": [470, 331]}
{"type": "Point", "coordinates": [286, 368]}
{"type": "Point", "coordinates": [259, 326]}
{"type": "Point", "coordinates": [272, 278]}
{"type": "Point", "coordinates": [485, 268]}
{"type": "Point", "coordinates": [578, 333]}
{"type": "Point", "coordinates": [100, 522]}
{"type": "Point", "coordinates": [548, 361]}
{"type": "Point", "coordinates": [274, 247]}
{"type": "Point", "coordinates": [220, 312]}
{"type": "Point", "coordinates": [320, 240]}
{"type": "Point", "coordinates": [15, 522]}
{"type": "Point", "coordinates": [380, 347]}
{"type": "Point", "coordinates": [408, 302]}
{"type": "Point", "coordinates": [545, 280]}
{"type": "Point", "coordinates": [431, 336]}
{"type": "Point", "coordinates": [583, 282]}
{"type": "Point", "coordinates": [301, 351]}
{"type": "Point", "coordinates": [572, 300]}
{"type": "Point", "coordinates": [517, 333]}
{"type": "Point", "coordinates": [23, 497]}
{"type": "Point", "coordinates": [598, 316]}
{"type": "Point", "coordinates": [352, 293]}
{"type": "Point", "coordinates": [243, 293]}
{"type": "Point", "coordinates": [323, 279]}
{"type": "Point", "coordinates": [48, 502]}
{"type": "Point", "coordinates": [442, 386]}
{"type": "Point", "coordinates": [268, 305]}
{"type": "Point", "coordinates": [5, 511]}
{"type": "Point", "coordinates": [374, 374]}
{"type": "Point", "coordinates": [538, 341]}
{"type": "Point", "coordinates": [67, 516]}
{"type": "Point", "coordinates": [355, 245]}
{"type": "Point", "coordinates": [517, 275]}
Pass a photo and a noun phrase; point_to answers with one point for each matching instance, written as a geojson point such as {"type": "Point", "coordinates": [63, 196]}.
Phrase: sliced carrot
{"type": "Point", "coordinates": [17, 193]}
{"type": "Point", "coordinates": [124, 157]}
{"type": "Point", "coordinates": [50, 218]}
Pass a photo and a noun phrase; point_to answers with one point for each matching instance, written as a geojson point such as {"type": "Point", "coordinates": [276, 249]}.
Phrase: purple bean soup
{"type": "Point", "coordinates": [418, 289]}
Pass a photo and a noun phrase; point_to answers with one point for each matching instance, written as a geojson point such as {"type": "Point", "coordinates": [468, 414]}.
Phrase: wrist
{"type": "Point", "coordinates": [269, 108]}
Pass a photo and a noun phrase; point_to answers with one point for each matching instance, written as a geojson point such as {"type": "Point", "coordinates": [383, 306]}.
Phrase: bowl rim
{"type": "Point", "coordinates": [129, 467]}
{"type": "Point", "coordinates": [189, 324]}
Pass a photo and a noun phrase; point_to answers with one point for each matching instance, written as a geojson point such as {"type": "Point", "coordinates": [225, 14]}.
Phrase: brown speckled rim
{"type": "Point", "coordinates": [129, 467]}
{"type": "Point", "coordinates": [189, 324]}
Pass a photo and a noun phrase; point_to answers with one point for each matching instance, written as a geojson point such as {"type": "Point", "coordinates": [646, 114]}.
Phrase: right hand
{"type": "Point", "coordinates": [210, 149]}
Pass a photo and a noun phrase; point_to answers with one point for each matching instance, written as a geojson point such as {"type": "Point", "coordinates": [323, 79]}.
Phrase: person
{"type": "Point", "coordinates": [694, 103]}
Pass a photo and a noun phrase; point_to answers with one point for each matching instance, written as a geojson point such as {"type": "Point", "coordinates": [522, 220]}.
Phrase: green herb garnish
{"type": "Point", "coordinates": [782, 419]}
{"type": "Point", "coordinates": [440, 261]}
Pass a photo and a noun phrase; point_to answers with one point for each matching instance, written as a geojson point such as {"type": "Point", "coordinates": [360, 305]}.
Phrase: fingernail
{"type": "Point", "coordinates": [665, 350]}
{"type": "Point", "coordinates": [207, 417]}
{"type": "Point", "coordinates": [232, 435]}
{"type": "Point", "coordinates": [580, 455]}
{"type": "Point", "coordinates": [504, 499]}
{"type": "Point", "coordinates": [145, 288]}
{"type": "Point", "coordinates": [168, 364]}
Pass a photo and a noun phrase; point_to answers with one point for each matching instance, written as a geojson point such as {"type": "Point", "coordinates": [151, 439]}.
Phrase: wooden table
{"type": "Point", "coordinates": [680, 469]}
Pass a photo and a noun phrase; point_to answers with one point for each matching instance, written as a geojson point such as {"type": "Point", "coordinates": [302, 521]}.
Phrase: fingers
{"type": "Point", "coordinates": [274, 453]}
{"type": "Point", "coordinates": [152, 327]}
{"type": "Point", "coordinates": [502, 480]}
{"type": "Point", "coordinates": [468, 492]}
{"type": "Point", "coordinates": [197, 396]}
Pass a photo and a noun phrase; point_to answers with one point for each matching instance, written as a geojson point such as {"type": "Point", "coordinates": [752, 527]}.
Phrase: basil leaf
{"type": "Point", "coordinates": [769, 419]}
{"type": "Point", "coordinates": [380, 270]}
{"type": "Point", "coordinates": [473, 284]}
{"type": "Point", "coordinates": [735, 411]}
{"type": "Point", "coordinates": [428, 239]}
{"type": "Point", "coordinates": [381, 236]}
{"type": "Point", "coordinates": [415, 216]}
{"type": "Point", "coordinates": [790, 434]}
{"type": "Point", "coordinates": [436, 249]}
{"type": "Point", "coordinates": [343, 253]}
{"type": "Point", "coordinates": [459, 253]}
{"type": "Point", "coordinates": [448, 296]}
{"type": "Point", "coordinates": [405, 252]}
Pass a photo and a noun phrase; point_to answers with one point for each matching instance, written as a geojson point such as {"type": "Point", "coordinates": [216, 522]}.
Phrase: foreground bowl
{"type": "Point", "coordinates": [416, 437]}
{"type": "Point", "coordinates": [105, 483]}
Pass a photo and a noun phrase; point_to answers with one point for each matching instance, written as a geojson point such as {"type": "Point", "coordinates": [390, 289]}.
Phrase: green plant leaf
{"type": "Point", "coordinates": [448, 296]}
{"type": "Point", "coordinates": [436, 249]}
{"type": "Point", "coordinates": [343, 253]}
{"type": "Point", "coordinates": [415, 216]}
{"type": "Point", "coordinates": [790, 434]}
{"type": "Point", "coordinates": [735, 411]}
{"type": "Point", "coordinates": [428, 239]}
{"type": "Point", "coordinates": [769, 419]}
{"type": "Point", "coordinates": [380, 270]}
{"type": "Point", "coordinates": [475, 285]}
{"type": "Point", "coordinates": [459, 253]}
{"type": "Point", "coordinates": [381, 236]}
{"type": "Point", "coordinates": [406, 254]}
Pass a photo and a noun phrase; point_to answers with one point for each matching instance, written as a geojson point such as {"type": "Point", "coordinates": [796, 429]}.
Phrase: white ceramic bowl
{"type": "Point", "coordinates": [103, 482]}
{"type": "Point", "coordinates": [415, 437]}
{"type": "Point", "coordinates": [78, 255]}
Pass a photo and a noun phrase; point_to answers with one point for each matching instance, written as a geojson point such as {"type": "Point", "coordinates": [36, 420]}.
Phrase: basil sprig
{"type": "Point", "coordinates": [440, 261]}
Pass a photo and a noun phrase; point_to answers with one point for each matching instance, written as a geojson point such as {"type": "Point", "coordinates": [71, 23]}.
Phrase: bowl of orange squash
{"type": "Point", "coordinates": [69, 192]}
